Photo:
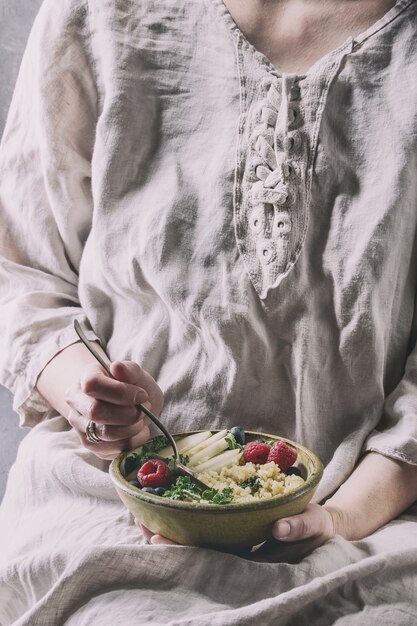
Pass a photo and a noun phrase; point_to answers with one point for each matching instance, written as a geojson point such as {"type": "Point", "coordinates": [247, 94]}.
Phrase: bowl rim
{"type": "Point", "coordinates": [120, 482]}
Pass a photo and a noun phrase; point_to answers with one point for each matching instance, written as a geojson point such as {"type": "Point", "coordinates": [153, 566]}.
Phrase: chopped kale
{"type": "Point", "coordinates": [253, 483]}
{"type": "Point", "coordinates": [184, 459]}
{"type": "Point", "coordinates": [232, 443]}
{"type": "Point", "coordinates": [185, 489]}
{"type": "Point", "coordinates": [132, 462]}
{"type": "Point", "coordinates": [135, 460]}
{"type": "Point", "coordinates": [171, 464]}
{"type": "Point", "coordinates": [218, 497]}
{"type": "Point", "coordinates": [158, 443]}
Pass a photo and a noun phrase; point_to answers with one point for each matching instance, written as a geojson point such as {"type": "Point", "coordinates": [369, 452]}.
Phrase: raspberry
{"type": "Point", "coordinates": [154, 473]}
{"type": "Point", "coordinates": [282, 455]}
{"type": "Point", "coordinates": [256, 452]}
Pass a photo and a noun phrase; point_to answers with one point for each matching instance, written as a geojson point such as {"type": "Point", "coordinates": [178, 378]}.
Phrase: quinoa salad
{"type": "Point", "coordinates": [252, 482]}
{"type": "Point", "coordinates": [234, 467]}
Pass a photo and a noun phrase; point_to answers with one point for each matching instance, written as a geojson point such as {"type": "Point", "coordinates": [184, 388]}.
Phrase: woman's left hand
{"type": "Point", "coordinates": [296, 536]}
{"type": "Point", "coordinates": [293, 537]}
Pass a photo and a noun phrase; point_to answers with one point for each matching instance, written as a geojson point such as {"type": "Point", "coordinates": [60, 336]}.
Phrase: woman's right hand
{"type": "Point", "coordinates": [111, 404]}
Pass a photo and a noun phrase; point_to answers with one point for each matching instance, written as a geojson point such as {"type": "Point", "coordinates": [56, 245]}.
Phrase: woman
{"type": "Point", "coordinates": [223, 194]}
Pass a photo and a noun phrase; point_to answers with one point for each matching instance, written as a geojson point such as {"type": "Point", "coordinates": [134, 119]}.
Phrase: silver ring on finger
{"type": "Point", "coordinates": [91, 434]}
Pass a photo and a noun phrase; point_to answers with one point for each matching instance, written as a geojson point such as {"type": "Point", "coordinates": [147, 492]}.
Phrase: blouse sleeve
{"type": "Point", "coordinates": [396, 433]}
{"type": "Point", "coordinates": [45, 200]}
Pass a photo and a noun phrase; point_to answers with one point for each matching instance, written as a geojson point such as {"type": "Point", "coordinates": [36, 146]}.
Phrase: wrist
{"type": "Point", "coordinates": [339, 522]}
{"type": "Point", "coordinates": [62, 372]}
{"type": "Point", "coordinates": [377, 491]}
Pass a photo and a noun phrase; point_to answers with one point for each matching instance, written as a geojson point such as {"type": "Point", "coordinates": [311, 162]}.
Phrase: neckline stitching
{"type": "Point", "coordinates": [327, 59]}
{"type": "Point", "coordinates": [386, 19]}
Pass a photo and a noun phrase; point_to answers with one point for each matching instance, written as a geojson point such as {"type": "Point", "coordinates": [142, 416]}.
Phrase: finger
{"type": "Point", "coordinates": [276, 552]}
{"type": "Point", "coordinates": [313, 522]}
{"type": "Point", "coordinates": [145, 531]}
{"type": "Point", "coordinates": [128, 372]}
{"type": "Point", "coordinates": [151, 537]}
{"type": "Point", "coordinates": [131, 373]}
{"type": "Point", "coordinates": [159, 540]}
{"type": "Point", "coordinates": [115, 439]}
{"type": "Point", "coordinates": [101, 387]}
{"type": "Point", "coordinates": [140, 438]}
{"type": "Point", "coordinates": [105, 450]}
{"type": "Point", "coordinates": [138, 432]}
{"type": "Point", "coordinates": [102, 412]}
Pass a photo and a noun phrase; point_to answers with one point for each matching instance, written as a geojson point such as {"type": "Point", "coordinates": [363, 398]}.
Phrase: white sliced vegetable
{"type": "Point", "coordinates": [226, 459]}
{"type": "Point", "coordinates": [185, 443]}
{"type": "Point", "coordinates": [204, 444]}
{"type": "Point", "coordinates": [208, 453]}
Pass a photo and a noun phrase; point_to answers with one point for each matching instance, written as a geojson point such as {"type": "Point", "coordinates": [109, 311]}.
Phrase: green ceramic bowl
{"type": "Point", "coordinates": [230, 527]}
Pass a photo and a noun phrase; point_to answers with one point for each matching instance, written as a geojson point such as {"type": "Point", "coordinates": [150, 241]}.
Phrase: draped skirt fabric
{"type": "Point", "coordinates": [71, 554]}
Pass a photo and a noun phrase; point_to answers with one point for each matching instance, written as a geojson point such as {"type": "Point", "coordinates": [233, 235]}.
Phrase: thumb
{"type": "Point", "coordinates": [313, 522]}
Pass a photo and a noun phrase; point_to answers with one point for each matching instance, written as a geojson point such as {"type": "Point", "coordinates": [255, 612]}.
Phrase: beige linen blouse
{"type": "Point", "coordinates": [247, 235]}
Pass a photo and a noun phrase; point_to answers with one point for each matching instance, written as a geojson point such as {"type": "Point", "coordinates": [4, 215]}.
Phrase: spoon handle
{"type": "Point", "coordinates": [106, 364]}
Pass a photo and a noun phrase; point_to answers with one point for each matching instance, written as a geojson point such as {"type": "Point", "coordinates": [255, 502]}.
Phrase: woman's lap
{"type": "Point", "coordinates": [70, 553]}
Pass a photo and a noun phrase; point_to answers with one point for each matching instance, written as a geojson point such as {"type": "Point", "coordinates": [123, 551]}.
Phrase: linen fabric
{"type": "Point", "coordinates": [247, 235]}
{"type": "Point", "coordinates": [71, 555]}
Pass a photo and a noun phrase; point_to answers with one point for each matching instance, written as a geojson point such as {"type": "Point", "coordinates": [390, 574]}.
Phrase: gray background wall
{"type": "Point", "coordinates": [16, 18]}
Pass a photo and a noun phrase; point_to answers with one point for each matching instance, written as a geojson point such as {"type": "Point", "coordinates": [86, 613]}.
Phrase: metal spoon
{"type": "Point", "coordinates": [180, 466]}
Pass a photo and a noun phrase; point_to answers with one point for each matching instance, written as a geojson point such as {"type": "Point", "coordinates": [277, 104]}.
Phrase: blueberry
{"type": "Point", "coordinates": [134, 483]}
{"type": "Point", "coordinates": [159, 491]}
{"type": "Point", "coordinates": [293, 471]}
{"type": "Point", "coordinates": [239, 434]}
{"type": "Point", "coordinates": [149, 490]}
{"type": "Point", "coordinates": [260, 440]}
